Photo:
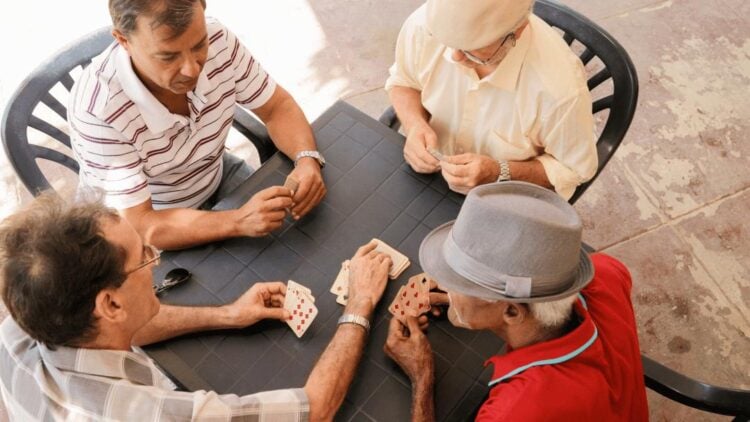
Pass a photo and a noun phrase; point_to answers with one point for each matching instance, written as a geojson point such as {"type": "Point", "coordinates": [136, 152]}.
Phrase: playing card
{"type": "Point", "coordinates": [302, 310]}
{"type": "Point", "coordinates": [340, 286]}
{"type": "Point", "coordinates": [292, 184]}
{"type": "Point", "coordinates": [293, 286]}
{"type": "Point", "coordinates": [400, 261]}
{"type": "Point", "coordinates": [418, 292]}
{"type": "Point", "coordinates": [398, 307]}
{"type": "Point", "coordinates": [437, 154]}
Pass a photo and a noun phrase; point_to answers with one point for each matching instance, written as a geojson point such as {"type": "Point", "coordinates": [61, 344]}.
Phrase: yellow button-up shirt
{"type": "Point", "coordinates": [534, 105]}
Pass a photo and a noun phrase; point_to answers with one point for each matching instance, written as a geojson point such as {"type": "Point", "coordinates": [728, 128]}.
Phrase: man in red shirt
{"type": "Point", "coordinates": [566, 317]}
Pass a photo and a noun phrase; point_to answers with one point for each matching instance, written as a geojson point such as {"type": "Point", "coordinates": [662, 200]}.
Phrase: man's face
{"type": "Point", "coordinates": [165, 62]}
{"type": "Point", "coordinates": [136, 293]}
{"type": "Point", "coordinates": [473, 313]}
{"type": "Point", "coordinates": [484, 53]}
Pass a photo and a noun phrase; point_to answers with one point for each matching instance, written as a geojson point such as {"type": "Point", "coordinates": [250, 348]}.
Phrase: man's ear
{"type": "Point", "coordinates": [121, 39]}
{"type": "Point", "coordinates": [108, 307]}
{"type": "Point", "coordinates": [514, 313]}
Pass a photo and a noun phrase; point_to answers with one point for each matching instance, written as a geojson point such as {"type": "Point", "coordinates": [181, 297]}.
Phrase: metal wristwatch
{"type": "Point", "coordinates": [504, 171]}
{"type": "Point", "coordinates": [312, 154]}
{"type": "Point", "coordinates": [355, 319]}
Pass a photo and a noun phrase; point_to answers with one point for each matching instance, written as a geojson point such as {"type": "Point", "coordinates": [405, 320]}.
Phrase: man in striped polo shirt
{"type": "Point", "coordinates": [149, 119]}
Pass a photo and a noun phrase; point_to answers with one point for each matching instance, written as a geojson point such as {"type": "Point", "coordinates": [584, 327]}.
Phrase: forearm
{"type": "Point", "coordinates": [531, 171]}
{"type": "Point", "coordinates": [180, 228]}
{"type": "Point", "coordinates": [334, 371]}
{"type": "Point", "coordinates": [408, 105]}
{"type": "Point", "coordinates": [288, 126]}
{"type": "Point", "coordinates": [173, 321]}
{"type": "Point", "coordinates": [422, 399]}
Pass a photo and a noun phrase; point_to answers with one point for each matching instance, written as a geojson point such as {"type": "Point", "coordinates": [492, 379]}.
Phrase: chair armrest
{"type": "Point", "coordinates": [390, 119]}
{"type": "Point", "coordinates": [696, 394]}
{"type": "Point", "coordinates": [255, 131]}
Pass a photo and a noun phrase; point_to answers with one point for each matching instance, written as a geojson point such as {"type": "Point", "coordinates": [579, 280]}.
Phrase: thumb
{"type": "Point", "coordinates": [430, 139]}
{"type": "Point", "coordinates": [276, 313]}
{"type": "Point", "coordinates": [413, 324]}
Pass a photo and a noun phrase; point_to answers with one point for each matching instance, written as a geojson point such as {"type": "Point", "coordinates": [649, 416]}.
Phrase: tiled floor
{"type": "Point", "coordinates": [671, 204]}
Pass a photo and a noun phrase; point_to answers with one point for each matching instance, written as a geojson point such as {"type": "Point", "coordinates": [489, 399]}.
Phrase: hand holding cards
{"type": "Point", "coordinates": [300, 303]}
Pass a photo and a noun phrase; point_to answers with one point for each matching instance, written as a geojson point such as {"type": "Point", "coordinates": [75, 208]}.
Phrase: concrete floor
{"type": "Point", "coordinates": [671, 202]}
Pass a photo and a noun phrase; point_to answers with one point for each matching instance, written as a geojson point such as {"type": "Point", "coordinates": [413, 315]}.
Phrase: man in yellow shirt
{"type": "Point", "coordinates": [497, 91]}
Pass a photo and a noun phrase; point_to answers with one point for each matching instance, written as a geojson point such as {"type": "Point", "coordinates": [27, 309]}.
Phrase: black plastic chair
{"type": "Point", "coordinates": [617, 66]}
{"type": "Point", "coordinates": [19, 115]}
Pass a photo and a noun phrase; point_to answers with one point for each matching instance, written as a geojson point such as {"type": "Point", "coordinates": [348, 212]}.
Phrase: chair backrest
{"type": "Point", "coordinates": [19, 115]}
{"type": "Point", "coordinates": [596, 42]}
{"type": "Point", "coordinates": [617, 66]}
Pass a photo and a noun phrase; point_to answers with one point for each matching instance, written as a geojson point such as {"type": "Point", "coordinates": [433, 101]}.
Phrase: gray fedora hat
{"type": "Point", "coordinates": [511, 241]}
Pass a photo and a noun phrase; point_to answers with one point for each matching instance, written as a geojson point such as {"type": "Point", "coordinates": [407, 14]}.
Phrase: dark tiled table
{"type": "Point", "coordinates": [372, 192]}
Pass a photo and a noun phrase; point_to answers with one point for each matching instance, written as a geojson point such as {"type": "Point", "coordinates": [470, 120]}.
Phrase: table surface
{"type": "Point", "coordinates": [372, 192]}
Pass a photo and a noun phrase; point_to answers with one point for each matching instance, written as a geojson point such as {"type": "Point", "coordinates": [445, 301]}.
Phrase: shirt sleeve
{"type": "Point", "coordinates": [108, 162]}
{"type": "Point", "coordinates": [253, 85]}
{"type": "Point", "coordinates": [279, 405]}
{"type": "Point", "coordinates": [404, 71]}
{"type": "Point", "coordinates": [567, 132]}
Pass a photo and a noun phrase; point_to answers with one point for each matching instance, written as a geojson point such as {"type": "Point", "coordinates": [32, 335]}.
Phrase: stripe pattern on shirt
{"type": "Point", "coordinates": [132, 148]}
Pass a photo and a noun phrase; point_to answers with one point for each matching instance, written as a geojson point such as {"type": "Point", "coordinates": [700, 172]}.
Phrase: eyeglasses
{"type": "Point", "coordinates": [174, 277]}
{"type": "Point", "coordinates": [491, 60]}
{"type": "Point", "coordinates": [152, 255]}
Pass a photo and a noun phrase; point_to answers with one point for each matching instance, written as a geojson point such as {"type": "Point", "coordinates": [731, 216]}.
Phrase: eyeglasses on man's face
{"type": "Point", "coordinates": [491, 60]}
{"type": "Point", "coordinates": [151, 255]}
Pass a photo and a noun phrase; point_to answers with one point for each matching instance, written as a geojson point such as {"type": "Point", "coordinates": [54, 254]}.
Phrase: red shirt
{"type": "Point", "coordinates": [593, 373]}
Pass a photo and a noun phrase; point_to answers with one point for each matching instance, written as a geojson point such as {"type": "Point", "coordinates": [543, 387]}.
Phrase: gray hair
{"type": "Point", "coordinates": [553, 314]}
{"type": "Point", "coordinates": [176, 14]}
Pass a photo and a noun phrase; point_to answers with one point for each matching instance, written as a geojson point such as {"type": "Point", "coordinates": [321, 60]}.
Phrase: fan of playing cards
{"type": "Point", "coordinates": [340, 285]}
{"type": "Point", "coordinates": [412, 299]}
{"type": "Point", "coordinates": [300, 303]}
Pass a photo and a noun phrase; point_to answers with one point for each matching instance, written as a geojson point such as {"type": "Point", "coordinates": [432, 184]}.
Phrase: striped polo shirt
{"type": "Point", "coordinates": [133, 148]}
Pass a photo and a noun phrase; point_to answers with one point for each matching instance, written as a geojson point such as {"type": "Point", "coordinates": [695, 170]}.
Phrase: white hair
{"type": "Point", "coordinates": [555, 313]}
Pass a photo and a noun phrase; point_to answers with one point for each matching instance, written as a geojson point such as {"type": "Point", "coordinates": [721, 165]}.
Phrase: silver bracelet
{"type": "Point", "coordinates": [504, 171]}
{"type": "Point", "coordinates": [355, 319]}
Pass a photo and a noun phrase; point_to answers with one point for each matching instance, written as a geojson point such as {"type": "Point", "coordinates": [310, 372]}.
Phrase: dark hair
{"type": "Point", "coordinates": [176, 14]}
{"type": "Point", "coordinates": [54, 260]}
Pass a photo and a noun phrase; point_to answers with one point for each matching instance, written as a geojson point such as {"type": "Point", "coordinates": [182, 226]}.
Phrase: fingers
{"type": "Point", "coordinates": [276, 313]}
{"type": "Point", "coordinates": [273, 192]}
{"type": "Point", "coordinates": [424, 322]}
{"type": "Point", "coordinates": [278, 203]}
{"type": "Point", "coordinates": [438, 298]}
{"type": "Point", "coordinates": [366, 249]}
{"type": "Point", "coordinates": [275, 287]}
{"type": "Point", "coordinates": [312, 198]}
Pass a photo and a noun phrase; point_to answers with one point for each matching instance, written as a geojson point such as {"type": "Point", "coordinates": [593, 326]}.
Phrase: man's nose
{"type": "Point", "coordinates": [191, 67]}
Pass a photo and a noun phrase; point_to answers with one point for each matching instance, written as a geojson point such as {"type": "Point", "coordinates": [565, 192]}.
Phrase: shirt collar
{"type": "Point", "coordinates": [118, 364]}
{"type": "Point", "coordinates": [156, 116]}
{"type": "Point", "coordinates": [550, 352]}
{"type": "Point", "coordinates": [506, 74]}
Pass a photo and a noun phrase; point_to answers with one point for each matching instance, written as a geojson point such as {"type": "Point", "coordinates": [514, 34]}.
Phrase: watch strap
{"type": "Point", "coordinates": [355, 319]}
{"type": "Point", "coordinates": [504, 171]}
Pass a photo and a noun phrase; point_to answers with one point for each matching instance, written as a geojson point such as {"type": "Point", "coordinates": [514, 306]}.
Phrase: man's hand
{"type": "Point", "coordinates": [264, 212]}
{"type": "Point", "coordinates": [261, 301]}
{"type": "Point", "coordinates": [311, 187]}
{"type": "Point", "coordinates": [409, 348]}
{"type": "Point", "coordinates": [419, 138]}
{"type": "Point", "coordinates": [368, 275]}
{"type": "Point", "coordinates": [465, 171]}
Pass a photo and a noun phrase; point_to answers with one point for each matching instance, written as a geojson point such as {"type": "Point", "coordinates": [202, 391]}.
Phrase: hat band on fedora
{"type": "Point", "coordinates": [478, 273]}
